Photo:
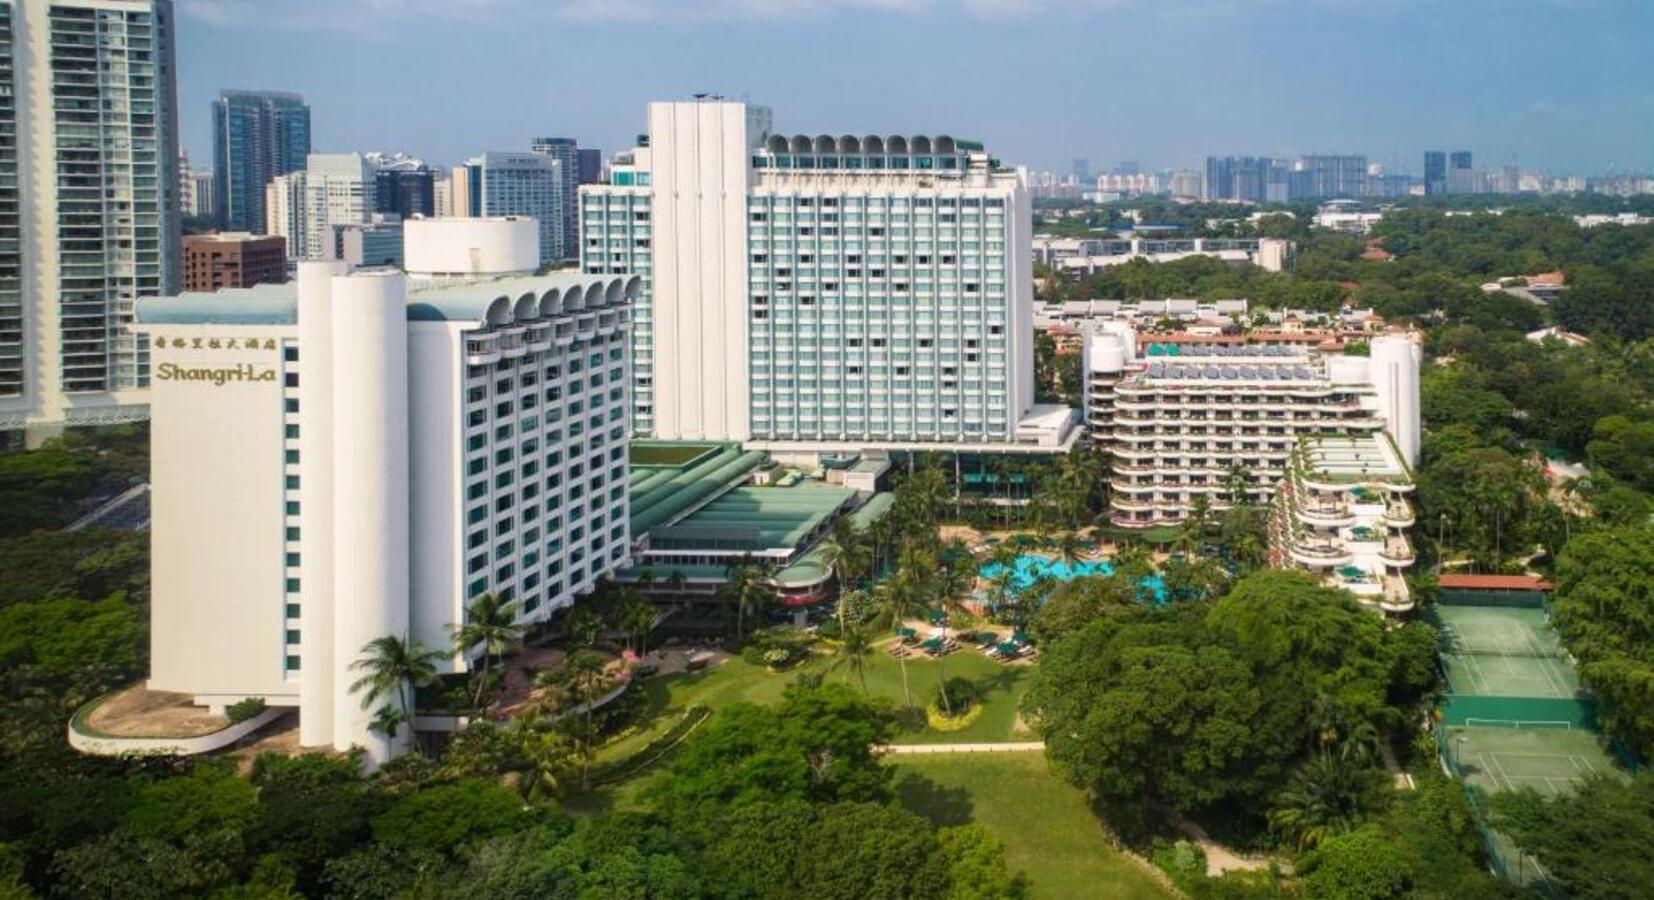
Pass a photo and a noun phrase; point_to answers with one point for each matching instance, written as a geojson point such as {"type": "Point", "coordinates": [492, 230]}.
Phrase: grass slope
{"type": "Point", "coordinates": [735, 681]}
{"type": "Point", "coordinates": [1050, 833]}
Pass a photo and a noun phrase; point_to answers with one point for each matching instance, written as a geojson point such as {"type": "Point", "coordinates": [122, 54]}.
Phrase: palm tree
{"type": "Point", "coordinates": [490, 620]}
{"type": "Point", "coordinates": [388, 721]}
{"type": "Point", "coordinates": [897, 599]}
{"type": "Point", "coordinates": [853, 655]}
{"type": "Point", "coordinates": [750, 589]}
{"type": "Point", "coordinates": [390, 665]}
{"type": "Point", "coordinates": [1324, 796]}
{"type": "Point", "coordinates": [585, 674]}
{"type": "Point", "coordinates": [637, 617]}
{"type": "Point", "coordinates": [584, 626]}
{"type": "Point", "coordinates": [544, 756]}
{"type": "Point", "coordinates": [847, 552]}
{"type": "Point", "coordinates": [1070, 547]}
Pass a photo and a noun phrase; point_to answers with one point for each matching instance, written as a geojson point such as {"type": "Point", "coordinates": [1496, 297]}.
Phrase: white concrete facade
{"type": "Point", "coordinates": [304, 207]}
{"type": "Point", "coordinates": [1177, 422]}
{"type": "Point", "coordinates": [89, 169]}
{"type": "Point", "coordinates": [359, 454]}
{"type": "Point", "coordinates": [822, 292]}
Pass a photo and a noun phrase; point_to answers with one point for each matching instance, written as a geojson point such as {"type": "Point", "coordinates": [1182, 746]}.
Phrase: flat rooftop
{"type": "Point", "coordinates": [1370, 457]}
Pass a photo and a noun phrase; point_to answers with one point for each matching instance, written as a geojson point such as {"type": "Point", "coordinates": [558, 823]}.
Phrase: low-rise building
{"type": "Point", "coordinates": [1079, 257]}
{"type": "Point", "coordinates": [698, 509]}
{"type": "Point", "coordinates": [234, 259]}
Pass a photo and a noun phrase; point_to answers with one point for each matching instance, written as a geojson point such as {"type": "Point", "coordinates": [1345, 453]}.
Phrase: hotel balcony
{"type": "Point", "coordinates": [482, 348]}
{"type": "Point", "coordinates": [1399, 514]}
{"type": "Point", "coordinates": [1398, 552]}
{"type": "Point", "coordinates": [1319, 554]}
{"type": "Point", "coordinates": [1324, 515]}
{"type": "Point", "coordinates": [539, 338]}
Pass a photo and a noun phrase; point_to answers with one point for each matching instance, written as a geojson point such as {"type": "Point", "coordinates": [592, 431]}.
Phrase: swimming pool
{"type": "Point", "coordinates": [1030, 567]}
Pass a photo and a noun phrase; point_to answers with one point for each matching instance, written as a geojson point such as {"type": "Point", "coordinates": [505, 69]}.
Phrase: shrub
{"type": "Point", "coordinates": [960, 693]}
{"type": "Point", "coordinates": [242, 710]}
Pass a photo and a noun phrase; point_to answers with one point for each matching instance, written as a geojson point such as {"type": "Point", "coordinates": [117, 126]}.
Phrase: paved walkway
{"type": "Point", "coordinates": [1006, 747]}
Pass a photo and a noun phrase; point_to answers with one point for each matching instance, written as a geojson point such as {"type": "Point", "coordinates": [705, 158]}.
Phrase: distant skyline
{"type": "Point", "coordinates": [1563, 85]}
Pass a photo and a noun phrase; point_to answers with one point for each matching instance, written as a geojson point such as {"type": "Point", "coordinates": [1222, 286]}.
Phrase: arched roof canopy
{"type": "Point", "coordinates": [920, 145]}
{"type": "Point", "coordinates": [800, 144]}
{"type": "Point", "coordinates": [527, 307]}
{"type": "Point", "coordinates": [551, 302]}
{"type": "Point", "coordinates": [777, 143]}
{"type": "Point", "coordinates": [896, 145]}
{"type": "Point", "coordinates": [499, 311]}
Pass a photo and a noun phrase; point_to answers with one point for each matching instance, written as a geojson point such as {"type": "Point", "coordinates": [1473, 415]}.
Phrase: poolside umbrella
{"type": "Point", "coordinates": [1009, 647]}
{"type": "Point", "coordinates": [938, 617]}
{"type": "Point", "coordinates": [1022, 637]}
{"type": "Point", "coordinates": [906, 632]}
{"type": "Point", "coordinates": [934, 643]}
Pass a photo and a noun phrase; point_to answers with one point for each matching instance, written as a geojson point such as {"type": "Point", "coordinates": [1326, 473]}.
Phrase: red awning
{"type": "Point", "coordinates": [1493, 582]}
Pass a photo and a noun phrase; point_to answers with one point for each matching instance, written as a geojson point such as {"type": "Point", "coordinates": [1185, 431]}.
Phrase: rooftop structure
{"type": "Point", "coordinates": [361, 453]}
{"type": "Point", "coordinates": [705, 507]}
{"type": "Point", "coordinates": [1342, 512]}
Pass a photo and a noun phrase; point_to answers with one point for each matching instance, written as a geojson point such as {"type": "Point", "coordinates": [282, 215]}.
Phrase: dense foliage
{"type": "Point", "coordinates": [1193, 705]}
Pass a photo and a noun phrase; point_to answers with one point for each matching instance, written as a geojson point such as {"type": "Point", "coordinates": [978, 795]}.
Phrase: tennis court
{"type": "Point", "coordinates": [1549, 760]}
{"type": "Point", "coordinates": [1504, 652]}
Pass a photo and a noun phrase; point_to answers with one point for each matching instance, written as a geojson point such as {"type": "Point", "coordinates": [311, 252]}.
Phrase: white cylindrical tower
{"type": "Point", "coordinates": [370, 493]}
{"type": "Point", "coordinates": [316, 675]}
{"type": "Point", "coordinates": [451, 248]}
{"type": "Point", "coordinates": [1394, 368]}
{"type": "Point", "coordinates": [1126, 333]}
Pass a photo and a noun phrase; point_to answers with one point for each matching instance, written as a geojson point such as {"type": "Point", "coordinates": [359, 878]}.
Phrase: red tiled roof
{"type": "Point", "coordinates": [1494, 582]}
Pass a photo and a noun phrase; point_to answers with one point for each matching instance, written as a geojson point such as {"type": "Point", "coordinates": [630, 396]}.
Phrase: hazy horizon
{"type": "Point", "coordinates": [1563, 85]}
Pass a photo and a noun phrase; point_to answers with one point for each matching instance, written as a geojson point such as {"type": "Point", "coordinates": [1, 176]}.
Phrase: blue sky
{"type": "Point", "coordinates": [1561, 84]}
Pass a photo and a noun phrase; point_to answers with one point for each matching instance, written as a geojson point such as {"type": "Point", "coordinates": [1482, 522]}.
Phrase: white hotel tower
{"type": "Point", "coordinates": [813, 294]}
{"type": "Point", "coordinates": [358, 454]}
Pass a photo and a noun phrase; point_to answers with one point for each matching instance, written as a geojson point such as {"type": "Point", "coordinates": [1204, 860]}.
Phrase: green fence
{"type": "Point", "coordinates": [1508, 599]}
{"type": "Point", "coordinates": [1537, 712]}
{"type": "Point", "coordinates": [1509, 861]}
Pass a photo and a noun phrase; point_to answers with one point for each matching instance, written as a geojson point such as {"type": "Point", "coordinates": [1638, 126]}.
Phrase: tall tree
{"type": "Point", "coordinates": [491, 623]}
{"type": "Point", "coordinates": [390, 665]}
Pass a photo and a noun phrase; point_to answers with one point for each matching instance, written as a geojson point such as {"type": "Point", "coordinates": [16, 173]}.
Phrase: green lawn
{"type": "Point", "coordinates": [1050, 833]}
{"type": "Point", "coordinates": [735, 680]}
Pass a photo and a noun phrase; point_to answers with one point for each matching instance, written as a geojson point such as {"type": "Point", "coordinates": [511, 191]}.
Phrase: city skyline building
{"type": "Point", "coordinates": [403, 185]}
{"type": "Point", "coordinates": [90, 186]}
{"type": "Point", "coordinates": [257, 135]}
{"type": "Point", "coordinates": [333, 189]}
{"type": "Point", "coordinates": [511, 183]}
{"type": "Point", "coordinates": [814, 295]}
{"type": "Point", "coordinates": [567, 153]}
{"type": "Point", "coordinates": [234, 259]}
